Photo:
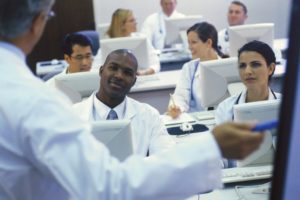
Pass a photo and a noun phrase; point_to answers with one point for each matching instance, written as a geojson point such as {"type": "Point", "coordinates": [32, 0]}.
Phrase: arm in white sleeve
{"type": "Point", "coordinates": [182, 94]}
{"type": "Point", "coordinates": [63, 148]}
{"type": "Point", "coordinates": [154, 58]}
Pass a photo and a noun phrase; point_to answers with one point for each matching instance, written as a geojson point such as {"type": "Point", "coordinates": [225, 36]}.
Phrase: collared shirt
{"type": "Point", "coordinates": [100, 111]}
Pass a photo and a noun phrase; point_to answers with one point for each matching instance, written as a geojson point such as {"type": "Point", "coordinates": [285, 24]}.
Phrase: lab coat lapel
{"type": "Point", "coordinates": [131, 108]}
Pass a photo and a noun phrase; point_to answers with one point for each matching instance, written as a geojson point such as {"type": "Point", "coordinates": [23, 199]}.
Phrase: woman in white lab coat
{"type": "Point", "coordinates": [123, 24]}
{"type": "Point", "coordinates": [203, 43]}
{"type": "Point", "coordinates": [256, 64]}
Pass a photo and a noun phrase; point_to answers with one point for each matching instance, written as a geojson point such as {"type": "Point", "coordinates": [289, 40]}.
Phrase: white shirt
{"type": "Point", "coordinates": [48, 153]}
{"type": "Point", "coordinates": [224, 112]}
{"type": "Point", "coordinates": [149, 132]}
{"type": "Point", "coordinates": [186, 94]}
{"type": "Point", "coordinates": [223, 41]}
{"type": "Point", "coordinates": [154, 28]}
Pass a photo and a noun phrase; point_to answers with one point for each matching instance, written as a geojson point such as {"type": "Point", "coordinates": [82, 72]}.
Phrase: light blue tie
{"type": "Point", "coordinates": [112, 115]}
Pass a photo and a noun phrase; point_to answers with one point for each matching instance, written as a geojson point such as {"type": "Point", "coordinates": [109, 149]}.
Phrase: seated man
{"type": "Point", "coordinates": [78, 54]}
{"type": "Point", "coordinates": [237, 15]}
{"type": "Point", "coordinates": [117, 76]}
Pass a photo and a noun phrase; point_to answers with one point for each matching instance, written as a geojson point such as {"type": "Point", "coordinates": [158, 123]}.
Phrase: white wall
{"type": "Point", "coordinates": [276, 11]}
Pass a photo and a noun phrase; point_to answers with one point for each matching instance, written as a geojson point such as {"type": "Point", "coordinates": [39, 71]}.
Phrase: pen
{"type": "Point", "coordinates": [266, 125]}
{"type": "Point", "coordinates": [172, 99]}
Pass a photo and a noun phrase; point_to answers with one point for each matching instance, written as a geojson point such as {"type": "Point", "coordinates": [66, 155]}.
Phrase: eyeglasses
{"type": "Point", "coordinates": [50, 15]}
{"type": "Point", "coordinates": [79, 58]}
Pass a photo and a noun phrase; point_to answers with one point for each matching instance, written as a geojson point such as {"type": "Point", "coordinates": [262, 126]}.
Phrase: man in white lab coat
{"type": "Point", "coordinates": [48, 153]}
{"type": "Point", "coordinates": [154, 25]}
{"type": "Point", "coordinates": [117, 76]}
{"type": "Point", "coordinates": [236, 15]}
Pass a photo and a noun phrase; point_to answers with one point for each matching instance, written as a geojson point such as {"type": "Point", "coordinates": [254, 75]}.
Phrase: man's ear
{"type": "Point", "coordinates": [38, 24]}
{"type": "Point", "coordinates": [100, 70]}
{"type": "Point", "coordinates": [67, 58]}
{"type": "Point", "coordinates": [133, 82]}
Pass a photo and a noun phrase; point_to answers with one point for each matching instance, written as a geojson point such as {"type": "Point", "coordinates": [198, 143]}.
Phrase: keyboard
{"type": "Point", "coordinates": [242, 174]}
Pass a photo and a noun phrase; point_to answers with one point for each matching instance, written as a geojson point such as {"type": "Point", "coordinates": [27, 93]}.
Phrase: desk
{"type": "Point", "coordinates": [173, 60]}
{"type": "Point", "coordinates": [229, 192]}
{"type": "Point", "coordinates": [155, 89]}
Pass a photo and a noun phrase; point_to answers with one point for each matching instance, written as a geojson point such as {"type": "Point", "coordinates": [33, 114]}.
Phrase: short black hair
{"type": "Point", "coordinates": [75, 38]}
{"type": "Point", "coordinates": [124, 52]}
{"type": "Point", "coordinates": [240, 4]}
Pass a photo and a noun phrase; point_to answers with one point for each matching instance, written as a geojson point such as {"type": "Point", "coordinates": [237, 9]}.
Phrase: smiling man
{"type": "Point", "coordinates": [236, 15]}
{"type": "Point", "coordinates": [117, 76]}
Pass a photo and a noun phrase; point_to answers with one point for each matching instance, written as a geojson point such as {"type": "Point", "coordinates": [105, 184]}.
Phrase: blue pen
{"type": "Point", "coordinates": [266, 125]}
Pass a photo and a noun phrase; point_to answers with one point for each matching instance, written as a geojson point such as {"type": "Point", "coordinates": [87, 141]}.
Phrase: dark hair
{"type": "Point", "coordinates": [240, 4]}
{"type": "Point", "coordinates": [207, 31]}
{"type": "Point", "coordinates": [75, 38]}
{"type": "Point", "coordinates": [263, 49]}
{"type": "Point", "coordinates": [126, 52]}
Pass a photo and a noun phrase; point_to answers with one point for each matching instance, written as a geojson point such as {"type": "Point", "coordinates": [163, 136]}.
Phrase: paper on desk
{"type": "Point", "coordinates": [184, 117]}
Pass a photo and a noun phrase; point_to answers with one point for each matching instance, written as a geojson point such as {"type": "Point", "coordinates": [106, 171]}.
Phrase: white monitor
{"type": "Point", "coordinates": [176, 28]}
{"type": "Point", "coordinates": [215, 75]}
{"type": "Point", "coordinates": [84, 83]}
{"type": "Point", "coordinates": [102, 29]}
{"type": "Point", "coordinates": [258, 112]}
{"type": "Point", "coordinates": [240, 35]}
{"type": "Point", "coordinates": [116, 135]}
{"type": "Point", "coordinates": [137, 44]}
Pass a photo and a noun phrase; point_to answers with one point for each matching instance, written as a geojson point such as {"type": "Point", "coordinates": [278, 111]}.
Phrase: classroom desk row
{"type": "Point", "coordinates": [255, 189]}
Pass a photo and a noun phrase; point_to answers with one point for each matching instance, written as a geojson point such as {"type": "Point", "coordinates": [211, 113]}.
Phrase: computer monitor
{"type": "Point", "coordinates": [240, 35]}
{"type": "Point", "coordinates": [215, 75]}
{"type": "Point", "coordinates": [286, 178]}
{"type": "Point", "coordinates": [176, 29]}
{"type": "Point", "coordinates": [102, 29]}
{"type": "Point", "coordinates": [116, 135]}
{"type": "Point", "coordinates": [260, 111]}
{"type": "Point", "coordinates": [137, 44]}
{"type": "Point", "coordinates": [84, 83]}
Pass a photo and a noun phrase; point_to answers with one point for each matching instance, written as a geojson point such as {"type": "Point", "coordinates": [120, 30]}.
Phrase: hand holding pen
{"type": "Point", "coordinates": [173, 110]}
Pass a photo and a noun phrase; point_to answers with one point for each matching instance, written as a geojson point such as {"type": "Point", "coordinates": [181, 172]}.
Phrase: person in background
{"type": "Point", "coordinates": [202, 40]}
{"type": "Point", "coordinates": [123, 24]}
{"type": "Point", "coordinates": [237, 15]}
{"type": "Point", "coordinates": [78, 54]}
{"type": "Point", "coordinates": [154, 25]}
{"type": "Point", "coordinates": [47, 152]}
{"type": "Point", "coordinates": [117, 76]}
{"type": "Point", "coordinates": [256, 64]}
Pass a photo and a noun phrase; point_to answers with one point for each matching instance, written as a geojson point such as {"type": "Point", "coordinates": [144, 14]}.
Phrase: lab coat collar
{"type": "Point", "coordinates": [130, 109]}
{"type": "Point", "coordinates": [244, 92]}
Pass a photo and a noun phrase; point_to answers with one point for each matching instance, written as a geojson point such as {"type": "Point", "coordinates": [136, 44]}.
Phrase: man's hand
{"type": "Point", "coordinates": [236, 140]}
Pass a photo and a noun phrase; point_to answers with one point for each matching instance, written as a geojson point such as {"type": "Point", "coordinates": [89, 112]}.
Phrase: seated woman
{"type": "Point", "coordinates": [256, 63]}
{"type": "Point", "coordinates": [123, 24]}
{"type": "Point", "coordinates": [203, 43]}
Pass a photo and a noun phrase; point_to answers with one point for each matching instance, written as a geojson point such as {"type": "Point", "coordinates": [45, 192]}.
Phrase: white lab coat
{"type": "Point", "coordinates": [155, 30]}
{"type": "Point", "coordinates": [185, 89]}
{"type": "Point", "coordinates": [149, 132]}
{"type": "Point", "coordinates": [224, 112]}
{"type": "Point", "coordinates": [48, 153]}
{"type": "Point", "coordinates": [223, 41]}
